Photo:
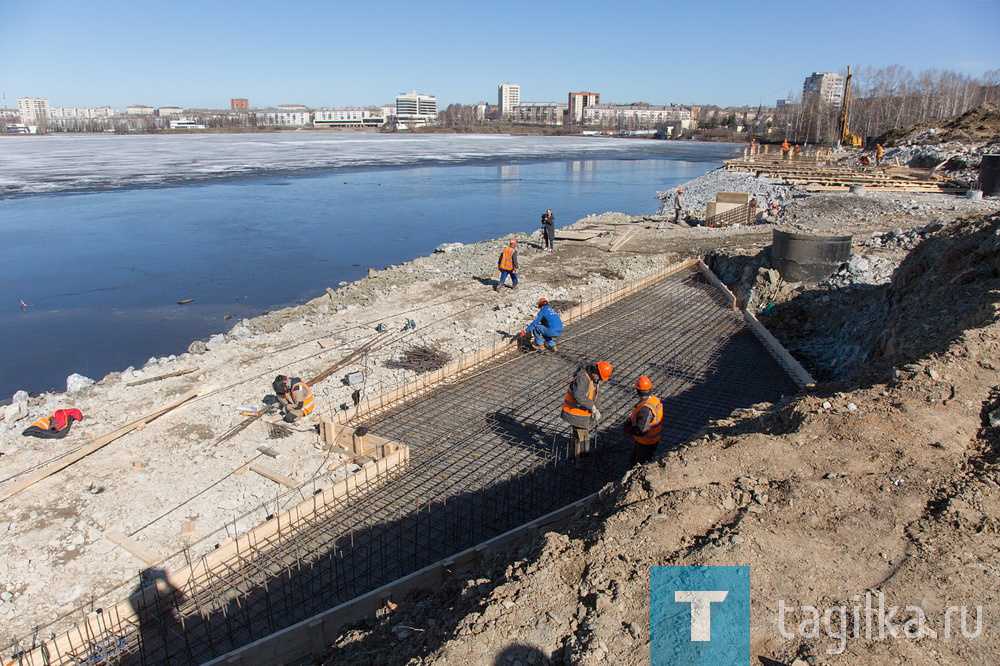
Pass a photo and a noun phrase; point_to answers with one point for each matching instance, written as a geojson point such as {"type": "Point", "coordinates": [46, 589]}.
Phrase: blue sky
{"type": "Point", "coordinates": [200, 54]}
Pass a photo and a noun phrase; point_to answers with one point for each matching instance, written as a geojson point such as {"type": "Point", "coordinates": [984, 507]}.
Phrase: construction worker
{"type": "Point", "coordinates": [545, 327]}
{"type": "Point", "coordinates": [508, 265]}
{"type": "Point", "coordinates": [644, 423]}
{"type": "Point", "coordinates": [294, 397]}
{"type": "Point", "coordinates": [549, 229]}
{"type": "Point", "coordinates": [786, 150]}
{"type": "Point", "coordinates": [678, 205]}
{"type": "Point", "coordinates": [55, 425]}
{"type": "Point", "coordinates": [580, 406]}
{"type": "Point", "coordinates": [879, 152]}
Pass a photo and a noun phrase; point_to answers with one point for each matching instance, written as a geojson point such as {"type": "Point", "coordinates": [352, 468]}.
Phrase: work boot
{"type": "Point", "coordinates": [553, 348]}
{"type": "Point", "coordinates": [496, 287]}
{"type": "Point", "coordinates": [513, 287]}
{"type": "Point", "coordinates": [537, 347]}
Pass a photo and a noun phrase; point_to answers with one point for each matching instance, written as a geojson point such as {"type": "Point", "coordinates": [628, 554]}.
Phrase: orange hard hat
{"type": "Point", "coordinates": [542, 301]}
{"type": "Point", "coordinates": [513, 241]}
{"type": "Point", "coordinates": [680, 190]}
{"type": "Point", "coordinates": [604, 370]}
{"type": "Point", "coordinates": [643, 384]}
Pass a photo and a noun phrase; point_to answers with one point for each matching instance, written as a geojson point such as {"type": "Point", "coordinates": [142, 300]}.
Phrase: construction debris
{"type": "Point", "coordinates": [421, 358]}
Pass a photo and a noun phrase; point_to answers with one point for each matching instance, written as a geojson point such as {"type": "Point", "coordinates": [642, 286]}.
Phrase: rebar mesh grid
{"type": "Point", "coordinates": [488, 452]}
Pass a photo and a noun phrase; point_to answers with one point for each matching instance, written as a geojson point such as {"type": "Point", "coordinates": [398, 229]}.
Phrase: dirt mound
{"type": "Point", "coordinates": [978, 125]}
{"type": "Point", "coordinates": [949, 284]}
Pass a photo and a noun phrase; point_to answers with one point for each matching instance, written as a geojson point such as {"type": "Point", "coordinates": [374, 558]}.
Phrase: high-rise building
{"type": "Point", "coordinates": [508, 96]}
{"type": "Point", "coordinates": [239, 104]}
{"type": "Point", "coordinates": [415, 108]}
{"type": "Point", "coordinates": [33, 110]}
{"type": "Point", "coordinates": [826, 86]}
{"type": "Point", "coordinates": [578, 101]}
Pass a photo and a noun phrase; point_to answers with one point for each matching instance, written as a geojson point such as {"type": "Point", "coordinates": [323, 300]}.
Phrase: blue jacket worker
{"type": "Point", "coordinates": [545, 327]}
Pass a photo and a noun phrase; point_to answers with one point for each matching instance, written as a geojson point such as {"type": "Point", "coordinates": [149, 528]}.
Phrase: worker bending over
{"type": "Point", "coordinates": [508, 265]}
{"type": "Point", "coordinates": [644, 423]}
{"type": "Point", "coordinates": [545, 327]}
{"type": "Point", "coordinates": [294, 397]}
{"type": "Point", "coordinates": [580, 406]}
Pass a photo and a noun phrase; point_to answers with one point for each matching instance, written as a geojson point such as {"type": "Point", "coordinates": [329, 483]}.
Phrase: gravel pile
{"type": "Point", "coordinates": [703, 189]}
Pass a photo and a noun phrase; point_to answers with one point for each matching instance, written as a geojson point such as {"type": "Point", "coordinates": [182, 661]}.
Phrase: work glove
{"type": "Point", "coordinates": [522, 334]}
{"type": "Point", "coordinates": [596, 415]}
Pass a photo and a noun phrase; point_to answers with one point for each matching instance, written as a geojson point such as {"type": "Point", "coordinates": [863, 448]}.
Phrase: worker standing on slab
{"type": "Point", "coordinates": [508, 265]}
{"type": "Point", "coordinates": [786, 150]}
{"type": "Point", "coordinates": [879, 152]}
{"type": "Point", "coordinates": [580, 406]}
{"type": "Point", "coordinates": [678, 205]}
{"type": "Point", "coordinates": [545, 327]}
{"type": "Point", "coordinates": [294, 396]}
{"type": "Point", "coordinates": [549, 229]}
{"type": "Point", "coordinates": [644, 423]}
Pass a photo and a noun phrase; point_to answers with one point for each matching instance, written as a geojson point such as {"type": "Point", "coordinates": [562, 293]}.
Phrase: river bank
{"type": "Point", "coordinates": [169, 486]}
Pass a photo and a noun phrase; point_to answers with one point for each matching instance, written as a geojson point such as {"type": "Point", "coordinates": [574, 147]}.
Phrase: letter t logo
{"type": "Point", "coordinates": [701, 610]}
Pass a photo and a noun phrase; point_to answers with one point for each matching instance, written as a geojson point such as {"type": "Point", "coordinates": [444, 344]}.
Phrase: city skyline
{"type": "Point", "coordinates": [124, 54]}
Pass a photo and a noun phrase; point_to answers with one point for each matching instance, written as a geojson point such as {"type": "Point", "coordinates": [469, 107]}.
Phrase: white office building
{"type": "Point", "coordinates": [416, 109]}
{"type": "Point", "coordinates": [347, 118]}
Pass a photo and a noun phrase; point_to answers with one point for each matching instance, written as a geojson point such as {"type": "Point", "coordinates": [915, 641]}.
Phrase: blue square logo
{"type": "Point", "coordinates": [700, 615]}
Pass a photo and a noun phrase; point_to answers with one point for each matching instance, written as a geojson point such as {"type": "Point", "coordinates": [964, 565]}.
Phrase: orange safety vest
{"type": "Point", "coordinates": [307, 403]}
{"type": "Point", "coordinates": [652, 436]}
{"type": "Point", "coordinates": [570, 404]}
{"type": "Point", "coordinates": [42, 423]}
{"type": "Point", "coordinates": [507, 259]}
{"type": "Point", "coordinates": [784, 145]}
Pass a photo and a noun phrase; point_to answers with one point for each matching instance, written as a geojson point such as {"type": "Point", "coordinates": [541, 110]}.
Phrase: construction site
{"type": "Point", "coordinates": [824, 342]}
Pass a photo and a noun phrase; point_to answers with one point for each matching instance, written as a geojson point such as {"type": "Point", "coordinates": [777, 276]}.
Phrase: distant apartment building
{"type": "Point", "coordinates": [61, 112]}
{"type": "Point", "coordinates": [292, 107]}
{"type": "Point", "coordinates": [416, 109]}
{"type": "Point", "coordinates": [825, 86]}
{"type": "Point", "coordinates": [169, 111]}
{"type": "Point", "coordinates": [387, 110]}
{"type": "Point", "coordinates": [139, 110]}
{"type": "Point", "coordinates": [634, 115]}
{"type": "Point", "coordinates": [239, 104]}
{"type": "Point", "coordinates": [283, 118]}
{"type": "Point", "coordinates": [348, 118]}
{"type": "Point", "coordinates": [578, 101]}
{"type": "Point", "coordinates": [539, 113]}
{"type": "Point", "coordinates": [783, 103]}
{"type": "Point", "coordinates": [33, 110]}
{"type": "Point", "coordinates": [508, 96]}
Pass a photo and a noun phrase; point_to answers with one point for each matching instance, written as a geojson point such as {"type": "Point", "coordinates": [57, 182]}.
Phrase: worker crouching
{"type": "Point", "coordinates": [295, 398]}
{"type": "Point", "coordinates": [644, 423]}
{"type": "Point", "coordinates": [545, 327]}
{"type": "Point", "coordinates": [580, 406]}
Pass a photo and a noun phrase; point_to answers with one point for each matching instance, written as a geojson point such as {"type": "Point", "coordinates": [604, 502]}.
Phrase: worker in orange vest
{"type": "Point", "coordinates": [785, 148]}
{"type": "Point", "coordinates": [508, 265]}
{"type": "Point", "coordinates": [580, 406]}
{"type": "Point", "coordinates": [294, 397]}
{"type": "Point", "coordinates": [879, 152]}
{"type": "Point", "coordinates": [644, 423]}
{"type": "Point", "coordinates": [55, 425]}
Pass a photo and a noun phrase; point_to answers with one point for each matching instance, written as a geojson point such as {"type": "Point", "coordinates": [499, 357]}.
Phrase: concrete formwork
{"type": "Point", "coordinates": [487, 453]}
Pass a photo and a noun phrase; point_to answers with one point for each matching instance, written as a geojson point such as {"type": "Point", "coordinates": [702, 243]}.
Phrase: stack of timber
{"type": "Point", "coordinates": [817, 176]}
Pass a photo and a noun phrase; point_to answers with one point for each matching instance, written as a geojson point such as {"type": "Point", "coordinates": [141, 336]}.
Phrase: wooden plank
{"type": "Point", "coordinates": [799, 374]}
{"type": "Point", "coordinates": [567, 234]}
{"type": "Point", "coordinates": [268, 473]}
{"type": "Point", "coordinates": [166, 376]}
{"type": "Point", "coordinates": [94, 445]}
{"type": "Point", "coordinates": [131, 546]}
{"type": "Point", "coordinates": [622, 239]}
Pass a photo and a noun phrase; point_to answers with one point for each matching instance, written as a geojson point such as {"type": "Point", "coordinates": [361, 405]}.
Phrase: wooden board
{"type": "Point", "coordinates": [565, 234]}
{"type": "Point", "coordinates": [131, 546]}
{"type": "Point", "coordinates": [71, 458]}
{"type": "Point", "coordinates": [269, 473]}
